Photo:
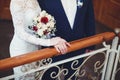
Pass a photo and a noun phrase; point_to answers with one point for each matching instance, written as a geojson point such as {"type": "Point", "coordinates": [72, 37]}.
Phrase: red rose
{"type": "Point", "coordinates": [45, 32]}
{"type": "Point", "coordinates": [44, 20]}
{"type": "Point", "coordinates": [35, 28]}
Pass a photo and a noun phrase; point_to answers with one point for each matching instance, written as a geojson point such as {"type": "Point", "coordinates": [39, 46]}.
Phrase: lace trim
{"type": "Point", "coordinates": [26, 4]}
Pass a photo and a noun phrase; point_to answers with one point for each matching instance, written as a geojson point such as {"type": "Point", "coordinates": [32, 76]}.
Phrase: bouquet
{"type": "Point", "coordinates": [43, 25]}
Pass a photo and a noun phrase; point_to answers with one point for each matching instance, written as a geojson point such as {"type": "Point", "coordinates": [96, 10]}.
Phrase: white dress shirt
{"type": "Point", "coordinates": [70, 8]}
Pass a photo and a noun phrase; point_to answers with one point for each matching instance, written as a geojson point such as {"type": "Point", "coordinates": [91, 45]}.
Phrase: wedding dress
{"type": "Point", "coordinates": [23, 11]}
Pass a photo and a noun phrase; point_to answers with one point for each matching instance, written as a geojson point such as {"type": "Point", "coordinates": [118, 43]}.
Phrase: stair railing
{"type": "Point", "coordinates": [12, 62]}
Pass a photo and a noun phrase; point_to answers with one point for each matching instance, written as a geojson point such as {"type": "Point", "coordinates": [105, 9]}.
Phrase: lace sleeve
{"type": "Point", "coordinates": [18, 8]}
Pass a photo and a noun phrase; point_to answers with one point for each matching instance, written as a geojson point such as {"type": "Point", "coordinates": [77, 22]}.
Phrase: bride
{"type": "Point", "coordinates": [23, 11]}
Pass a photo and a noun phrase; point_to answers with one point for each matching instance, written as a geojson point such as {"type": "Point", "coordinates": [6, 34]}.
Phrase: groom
{"type": "Point", "coordinates": [74, 20]}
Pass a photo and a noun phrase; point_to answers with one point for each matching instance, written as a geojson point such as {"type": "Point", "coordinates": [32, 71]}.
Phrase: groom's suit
{"type": "Point", "coordinates": [84, 24]}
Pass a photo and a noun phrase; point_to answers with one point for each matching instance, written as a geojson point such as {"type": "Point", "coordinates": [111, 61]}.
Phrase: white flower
{"type": "Point", "coordinates": [40, 32]}
{"type": "Point", "coordinates": [49, 17]}
{"type": "Point", "coordinates": [39, 25]}
{"type": "Point", "coordinates": [43, 13]}
{"type": "Point", "coordinates": [51, 24]}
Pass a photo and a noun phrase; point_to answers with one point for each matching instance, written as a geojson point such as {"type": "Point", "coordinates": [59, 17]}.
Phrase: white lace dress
{"type": "Point", "coordinates": [23, 11]}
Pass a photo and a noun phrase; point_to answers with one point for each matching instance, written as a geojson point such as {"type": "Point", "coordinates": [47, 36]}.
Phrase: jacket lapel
{"type": "Point", "coordinates": [62, 14]}
{"type": "Point", "coordinates": [77, 17]}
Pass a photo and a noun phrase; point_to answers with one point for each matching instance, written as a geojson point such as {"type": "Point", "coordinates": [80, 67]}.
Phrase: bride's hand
{"type": "Point", "coordinates": [60, 44]}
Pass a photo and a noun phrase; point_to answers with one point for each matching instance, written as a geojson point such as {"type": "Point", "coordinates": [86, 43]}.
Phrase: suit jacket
{"type": "Point", "coordinates": [84, 24]}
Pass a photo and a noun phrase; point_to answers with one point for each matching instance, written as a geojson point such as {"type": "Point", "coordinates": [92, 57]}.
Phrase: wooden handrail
{"type": "Point", "coordinates": [50, 52]}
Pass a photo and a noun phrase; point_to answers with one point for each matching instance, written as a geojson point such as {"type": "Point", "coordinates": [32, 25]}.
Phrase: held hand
{"type": "Point", "coordinates": [60, 44]}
